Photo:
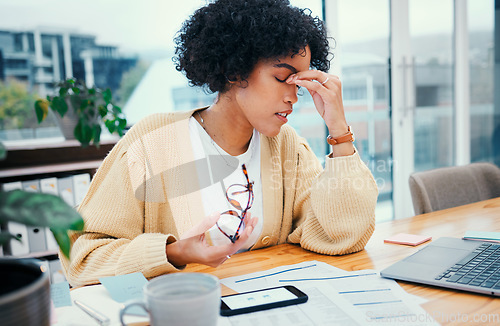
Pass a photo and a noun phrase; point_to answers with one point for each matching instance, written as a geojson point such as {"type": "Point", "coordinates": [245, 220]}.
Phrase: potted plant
{"type": "Point", "coordinates": [24, 286]}
{"type": "Point", "coordinates": [82, 110]}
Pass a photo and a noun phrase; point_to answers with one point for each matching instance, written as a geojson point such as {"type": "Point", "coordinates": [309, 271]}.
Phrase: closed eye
{"type": "Point", "coordinates": [284, 80]}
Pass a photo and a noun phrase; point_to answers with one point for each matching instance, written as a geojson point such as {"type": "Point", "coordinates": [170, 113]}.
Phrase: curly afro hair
{"type": "Point", "coordinates": [224, 40]}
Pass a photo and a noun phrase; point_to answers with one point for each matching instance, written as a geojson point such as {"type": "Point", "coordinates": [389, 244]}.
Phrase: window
{"type": "Point", "coordinates": [407, 109]}
{"type": "Point", "coordinates": [482, 63]}
{"type": "Point", "coordinates": [362, 57]}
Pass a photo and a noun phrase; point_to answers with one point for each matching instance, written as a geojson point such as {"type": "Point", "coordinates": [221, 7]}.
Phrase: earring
{"type": "Point", "coordinates": [231, 81]}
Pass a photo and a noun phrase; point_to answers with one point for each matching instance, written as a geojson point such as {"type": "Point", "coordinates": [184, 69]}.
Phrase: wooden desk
{"type": "Point", "coordinates": [448, 307]}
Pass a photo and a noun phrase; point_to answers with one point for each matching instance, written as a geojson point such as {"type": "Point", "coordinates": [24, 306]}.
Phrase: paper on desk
{"type": "Point", "coordinates": [272, 277]}
{"type": "Point", "coordinates": [482, 236]}
{"type": "Point", "coordinates": [107, 299]}
{"type": "Point", "coordinates": [320, 309]}
{"type": "Point", "coordinates": [98, 298]}
{"type": "Point", "coordinates": [379, 299]}
{"type": "Point", "coordinates": [363, 296]}
{"type": "Point", "coordinates": [123, 288]}
{"type": "Point", "coordinates": [59, 294]}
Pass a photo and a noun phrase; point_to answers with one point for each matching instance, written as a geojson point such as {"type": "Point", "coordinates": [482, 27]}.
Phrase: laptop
{"type": "Point", "coordinates": [459, 264]}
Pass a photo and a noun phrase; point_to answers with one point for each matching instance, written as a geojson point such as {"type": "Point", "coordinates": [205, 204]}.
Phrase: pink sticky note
{"type": "Point", "coordinates": [408, 239]}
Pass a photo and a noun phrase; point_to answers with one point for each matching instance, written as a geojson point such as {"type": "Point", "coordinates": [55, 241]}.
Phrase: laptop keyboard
{"type": "Point", "coordinates": [480, 268]}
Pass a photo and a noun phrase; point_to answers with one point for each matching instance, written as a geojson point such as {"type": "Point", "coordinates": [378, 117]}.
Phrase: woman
{"type": "Point", "coordinates": [199, 186]}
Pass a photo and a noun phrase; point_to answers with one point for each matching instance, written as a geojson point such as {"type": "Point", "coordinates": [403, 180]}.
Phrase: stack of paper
{"type": "Point", "coordinates": [336, 297]}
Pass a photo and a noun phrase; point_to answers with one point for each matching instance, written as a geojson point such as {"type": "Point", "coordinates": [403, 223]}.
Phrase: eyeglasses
{"type": "Point", "coordinates": [238, 196]}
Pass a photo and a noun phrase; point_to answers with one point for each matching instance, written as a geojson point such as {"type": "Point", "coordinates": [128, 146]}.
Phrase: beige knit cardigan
{"type": "Point", "coordinates": [146, 194]}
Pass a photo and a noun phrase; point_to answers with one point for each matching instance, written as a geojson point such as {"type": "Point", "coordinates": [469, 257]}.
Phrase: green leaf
{"type": "Point", "coordinates": [41, 109]}
{"type": "Point", "coordinates": [59, 105]}
{"type": "Point", "coordinates": [106, 95]}
{"type": "Point", "coordinates": [102, 111]}
{"type": "Point", "coordinates": [38, 209]}
{"type": "Point", "coordinates": [97, 135]}
{"type": "Point", "coordinates": [117, 109]}
{"type": "Point", "coordinates": [79, 133]}
{"type": "Point", "coordinates": [62, 240]}
{"type": "Point", "coordinates": [122, 123]}
{"type": "Point", "coordinates": [43, 210]}
{"type": "Point", "coordinates": [3, 151]}
{"type": "Point", "coordinates": [76, 90]}
{"type": "Point", "coordinates": [83, 132]}
{"type": "Point", "coordinates": [63, 91]}
{"type": "Point", "coordinates": [110, 124]}
{"type": "Point", "coordinates": [87, 134]}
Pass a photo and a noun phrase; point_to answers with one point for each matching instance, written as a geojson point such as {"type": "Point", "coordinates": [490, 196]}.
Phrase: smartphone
{"type": "Point", "coordinates": [264, 299]}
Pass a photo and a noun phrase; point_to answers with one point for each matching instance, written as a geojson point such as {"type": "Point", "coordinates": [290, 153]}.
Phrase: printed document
{"type": "Point", "coordinates": [336, 297]}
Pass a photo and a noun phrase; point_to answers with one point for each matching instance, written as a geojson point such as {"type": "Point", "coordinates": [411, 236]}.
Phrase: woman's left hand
{"type": "Point", "coordinates": [326, 91]}
{"type": "Point", "coordinates": [193, 248]}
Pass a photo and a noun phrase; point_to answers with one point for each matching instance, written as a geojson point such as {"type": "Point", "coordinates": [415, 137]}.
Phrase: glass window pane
{"type": "Point", "coordinates": [364, 55]}
{"type": "Point", "coordinates": [481, 18]}
{"type": "Point", "coordinates": [431, 33]}
{"type": "Point", "coordinates": [305, 119]}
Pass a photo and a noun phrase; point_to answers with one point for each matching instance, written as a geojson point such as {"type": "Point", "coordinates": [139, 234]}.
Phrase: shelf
{"type": "Point", "coordinates": [59, 158]}
{"type": "Point", "coordinates": [57, 142]}
{"type": "Point", "coordinates": [51, 168]}
{"type": "Point", "coordinates": [39, 254]}
{"type": "Point", "coordinates": [28, 159]}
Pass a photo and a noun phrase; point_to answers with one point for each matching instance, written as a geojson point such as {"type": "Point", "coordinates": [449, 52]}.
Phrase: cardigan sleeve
{"type": "Point", "coordinates": [114, 241]}
{"type": "Point", "coordinates": [334, 209]}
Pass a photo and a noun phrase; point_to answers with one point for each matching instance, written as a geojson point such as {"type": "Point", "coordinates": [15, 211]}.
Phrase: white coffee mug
{"type": "Point", "coordinates": [180, 299]}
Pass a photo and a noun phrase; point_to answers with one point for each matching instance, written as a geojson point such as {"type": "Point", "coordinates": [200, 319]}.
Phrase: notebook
{"type": "Point", "coordinates": [452, 263]}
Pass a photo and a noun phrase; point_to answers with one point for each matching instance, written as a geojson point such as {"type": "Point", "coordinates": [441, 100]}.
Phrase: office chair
{"type": "Point", "coordinates": [447, 187]}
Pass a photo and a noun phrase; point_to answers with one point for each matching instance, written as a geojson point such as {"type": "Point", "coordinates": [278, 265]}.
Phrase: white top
{"type": "Point", "coordinates": [217, 171]}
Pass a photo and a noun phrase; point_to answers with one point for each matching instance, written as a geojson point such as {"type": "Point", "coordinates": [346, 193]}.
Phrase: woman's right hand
{"type": "Point", "coordinates": [193, 248]}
